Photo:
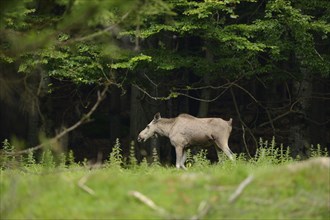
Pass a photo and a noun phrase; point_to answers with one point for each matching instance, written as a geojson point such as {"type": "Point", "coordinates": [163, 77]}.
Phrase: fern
{"type": "Point", "coordinates": [144, 164]}
{"type": "Point", "coordinates": [189, 158]}
{"type": "Point", "coordinates": [8, 153]}
{"type": "Point", "coordinates": [318, 151]}
{"type": "Point", "coordinates": [70, 158]}
{"type": "Point", "coordinates": [62, 160]}
{"type": "Point", "coordinates": [132, 158]}
{"type": "Point", "coordinates": [115, 157]}
{"type": "Point", "coordinates": [269, 153]}
{"type": "Point", "coordinates": [155, 158]}
{"type": "Point", "coordinates": [30, 159]}
{"type": "Point", "coordinates": [200, 159]}
{"type": "Point", "coordinates": [47, 159]}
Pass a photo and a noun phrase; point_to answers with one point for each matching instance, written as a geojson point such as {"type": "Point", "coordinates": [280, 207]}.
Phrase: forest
{"type": "Point", "coordinates": [80, 74]}
{"type": "Point", "coordinates": [80, 79]}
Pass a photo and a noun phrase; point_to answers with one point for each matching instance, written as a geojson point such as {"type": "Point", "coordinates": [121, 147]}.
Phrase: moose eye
{"type": "Point", "coordinates": [148, 126]}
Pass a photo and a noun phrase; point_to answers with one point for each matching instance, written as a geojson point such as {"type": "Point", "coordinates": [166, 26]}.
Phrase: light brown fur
{"type": "Point", "coordinates": [186, 130]}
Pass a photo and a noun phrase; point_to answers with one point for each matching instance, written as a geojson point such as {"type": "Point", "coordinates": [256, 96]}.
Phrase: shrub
{"type": "Point", "coordinates": [30, 159]}
{"type": "Point", "coordinates": [132, 159]}
{"type": "Point", "coordinates": [155, 158]}
{"type": "Point", "coordinates": [70, 158]}
{"type": "Point", "coordinates": [115, 157]}
{"type": "Point", "coordinates": [222, 157]}
{"type": "Point", "coordinates": [61, 160]}
{"type": "Point", "coordinates": [189, 159]}
{"type": "Point", "coordinates": [318, 151]}
{"type": "Point", "coordinates": [200, 159]}
{"type": "Point", "coordinates": [8, 154]}
{"type": "Point", "coordinates": [85, 163]}
{"type": "Point", "coordinates": [144, 164]}
{"type": "Point", "coordinates": [269, 153]}
{"type": "Point", "coordinates": [47, 159]}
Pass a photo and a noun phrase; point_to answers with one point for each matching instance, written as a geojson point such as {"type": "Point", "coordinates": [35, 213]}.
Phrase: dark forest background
{"type": "Point", "coordinates": [264, 63]}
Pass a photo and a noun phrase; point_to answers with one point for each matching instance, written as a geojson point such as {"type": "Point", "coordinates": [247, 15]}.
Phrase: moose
{"type": "Point", "coordinates": [186, 130]}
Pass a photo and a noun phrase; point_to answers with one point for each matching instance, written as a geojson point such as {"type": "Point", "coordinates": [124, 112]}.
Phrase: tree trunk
{"type": "Point", "coordinates": [320, 134]}
{"type": "Point", "coordinates": [31, 100]}
{"type": "Point", "coordinates": [114, 114]}
{"type": "Point", "coordinates": [137, 120]}
{"type": "Point", "coordinates": [204, 105]}
{"type": "Point", "coordinates": [154, 143]}
{"type": "Point", "coordinates": [206, 93]}
{"type": "Point", "coordinates": [33, 125]}
{"type": "Point", "coordinates": [299, 131]}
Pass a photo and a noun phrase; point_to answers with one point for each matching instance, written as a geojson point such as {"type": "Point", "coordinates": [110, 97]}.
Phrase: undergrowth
{"type": "Point", "coordinates": [54, 185]}
{"type": "Point", "coordinates": [267, 153]}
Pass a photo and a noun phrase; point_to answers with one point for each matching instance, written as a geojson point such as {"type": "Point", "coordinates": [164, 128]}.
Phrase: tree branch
{"type": "Point", "coordinates": [91, 36]}
{"type": "Point", "coordinates": [175, 94]}
{"type": "Point", "coordinates": [83, 186]}
{"type": "Point", "coordinates": [85, 118]}
{"type": "Point", "coordinates": [148, 202]}
{"type": "Point", "coordinates": [240, 189]}
{"type": "Point", "coordinates": [203, 209]}
{"type": "Point", "coordinates": [243, 123]}
{"type": "Point", "coordinates": [82, 182]}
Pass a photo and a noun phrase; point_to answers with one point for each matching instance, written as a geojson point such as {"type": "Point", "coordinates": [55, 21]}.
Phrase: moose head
{"type": "Point", "coordinates": [150, 130]}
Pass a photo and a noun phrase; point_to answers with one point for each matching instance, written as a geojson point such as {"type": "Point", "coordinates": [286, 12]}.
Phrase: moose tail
{"type": "Point", "coordinates": [230, 122]}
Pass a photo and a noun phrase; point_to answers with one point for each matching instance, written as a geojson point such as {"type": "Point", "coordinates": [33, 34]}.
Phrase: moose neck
{"type": "Point", "coordinates": [164, 126]}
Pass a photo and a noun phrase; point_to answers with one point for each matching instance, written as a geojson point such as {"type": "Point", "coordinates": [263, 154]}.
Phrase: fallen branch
{"type": "Point", "coordinates": [148, 202]}
{"type": "Point", "coordinates": [240, 189]}
{"type": "Point", "coordinates": [203, 209]}
{"type": "Point", "coordinates": [83, 186]}
{"type": "Point", "coordinates": [83, 180]}
{"type": "Point", "coordinates": [85, 118]}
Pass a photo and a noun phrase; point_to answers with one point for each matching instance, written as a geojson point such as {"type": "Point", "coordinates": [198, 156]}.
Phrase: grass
{"type": "Point", "coordinates": [281, 189]}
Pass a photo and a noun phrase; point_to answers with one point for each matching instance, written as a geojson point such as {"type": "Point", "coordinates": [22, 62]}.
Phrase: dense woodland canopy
{"type": "Point", "coordinates": [264, 63]}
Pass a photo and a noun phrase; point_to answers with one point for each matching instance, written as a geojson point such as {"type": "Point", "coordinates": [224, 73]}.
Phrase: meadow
{"type": "Point", "coordinates": [271, 185]}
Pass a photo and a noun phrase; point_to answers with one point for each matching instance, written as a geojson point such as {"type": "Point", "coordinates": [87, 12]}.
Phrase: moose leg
{"type": "Point", "coordinates": [179, 154]}
{"type": "Point", "coordinates": [183, 159]}
{"type": "Point", "coordinates": [224, 146]}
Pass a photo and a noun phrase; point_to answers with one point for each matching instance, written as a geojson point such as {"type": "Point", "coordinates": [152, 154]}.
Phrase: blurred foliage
{"type": "Point", "coordinates": [87, 41]}
{"type": "Point", "coordinates": [284, 187]}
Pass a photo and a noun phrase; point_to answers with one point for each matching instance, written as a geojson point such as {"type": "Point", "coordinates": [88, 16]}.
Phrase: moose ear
{"type": "Point", "coordinates": [157, 116]}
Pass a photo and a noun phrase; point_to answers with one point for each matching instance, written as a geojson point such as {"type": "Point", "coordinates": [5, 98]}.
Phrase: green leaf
{"type": "Point", "coordinates": [132, 63]}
